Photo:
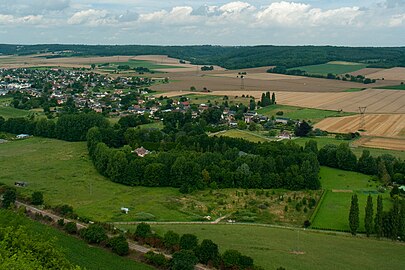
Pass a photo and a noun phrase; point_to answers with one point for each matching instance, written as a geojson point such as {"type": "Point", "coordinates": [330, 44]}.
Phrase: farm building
{"type": "Point", "coordinates": [285, 135]}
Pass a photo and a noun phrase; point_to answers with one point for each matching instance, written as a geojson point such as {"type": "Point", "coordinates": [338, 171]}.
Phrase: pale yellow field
{"type": "Point", "coordinates": [385, 143]}
{"type": "Point", "coordinates": [260, 76]}
{"type": "Point", "coordinates": [383, 125]}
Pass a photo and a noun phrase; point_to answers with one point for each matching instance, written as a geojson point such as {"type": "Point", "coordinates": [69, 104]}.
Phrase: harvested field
{"type": "Point", "coordinates": [366, 71]}
{"type": "Point", "coordinates": [392, 74]}
{"type": "Point", "coordinates": [385, 143]}
{"type": "Point", "coordinates": [384, 125]}
{"type": "Point", "coordinates": [377, 101]}
{"type": "Point", "coordinates": [259, 81]}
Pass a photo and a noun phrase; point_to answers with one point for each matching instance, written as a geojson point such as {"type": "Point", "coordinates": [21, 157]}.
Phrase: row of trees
{"type": "Point", "coordinates": [266, 100]}
{"type": "Point", "coordinates": [69, 127]}
{"type": "Point", "coordinates": [187, 251]}
{"type": "Point", "coordinates": [390, 224]}
{"type": "Point", "coordinates": [196, 162]}
{"type": "Point", "coordinates": [386, 167]}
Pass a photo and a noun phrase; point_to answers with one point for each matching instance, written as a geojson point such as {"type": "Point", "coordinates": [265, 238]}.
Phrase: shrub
{"type": "Point", "coordinates": [188, 241]}
{"type": "Point", "coordinates": [142, 231]}
{"type": "Point", "coordinates": [61, 222]}
{"type": "Point", "coordinates": [171, 240]}
{"type": "Point", "coordinates": [119, 245]}
{"type": "Point", "coordinates": [184, 260]}
{"type": "Point", "coordinates": [94, 234]}
{"type": "Point", "coordinates": [71, 227]}
{"type": "Point", "coordinates": [37, 198]}
{"type": "Point", "coordinates": [156, 259]}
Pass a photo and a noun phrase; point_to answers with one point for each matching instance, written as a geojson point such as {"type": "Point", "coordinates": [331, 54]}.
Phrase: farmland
{"type": "Point", "coordinates": [298, 113]}
{"type": "Point", "coordinates": [274, 247]}
{"type": "Point", "coordinates": [243, 134]}
{"type": "Point", "coordinates": [386, 125]}
{"type": "Point", "coordinates": [335, 67]}
{"type": "Point", "coordinates": [75, 250]}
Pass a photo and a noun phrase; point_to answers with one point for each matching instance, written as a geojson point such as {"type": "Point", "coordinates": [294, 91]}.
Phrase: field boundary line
{"type": "Point", "coordinates": [318, 206]}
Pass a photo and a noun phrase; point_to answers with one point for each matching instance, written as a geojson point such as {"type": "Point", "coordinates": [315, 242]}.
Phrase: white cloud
{"type": "Point", "coordinates": [177, 16]}
{"type": "Point", "coordinates": [92, 17]}
{"type": "Point", "coordinates": [303, 15]}
{"type": "Point", "coordinates": [29, 19]}
{"type": "Point", "coordinates": [397, 20]}
{"type": "Point", "coordinates": [236, 7]}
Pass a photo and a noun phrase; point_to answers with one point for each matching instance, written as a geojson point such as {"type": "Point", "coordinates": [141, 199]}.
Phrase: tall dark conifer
{"type": "Point", "coordinates": [354, 215]}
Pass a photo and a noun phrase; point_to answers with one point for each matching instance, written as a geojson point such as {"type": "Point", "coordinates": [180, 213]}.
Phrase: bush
{"type": "Point", "coordinates": [142, 231]}
{"type": "Point", "coordinates": [188, 241]}
{"type": "Point", "coordinates": [9, 197]}
{"type": "Point", "coordinates": [156, 259]}
{"type": "Point", "coordinates": [71, 227]}
{"type": "Point", "coordinates": [171, 240]}
{"type": "Point", "coordinates": [37, 198]}
{"type": "Point", "coordinates": [61, 222]}
{"type": "Point", "coordinates": [119, 245]}
{"type": "Point", "coordinates": [64, 210]}
{"type": "Point", "coordinates": [94, 234]}
{"type": "Point", "coordinates": [184, 260]}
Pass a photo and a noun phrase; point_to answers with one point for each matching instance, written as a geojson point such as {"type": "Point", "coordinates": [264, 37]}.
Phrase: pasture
{"type": "Point", "coordinates": [298, 113]}
{"type": "Point", "coordinates": [335, 67]}
{"type": "Point", "coordinates": [274, 247]}
{"type": "Point", "coordinates": [75, 250]}
{"type": "Point", "coordinates": [11, 112]}
{"type": "Point", "coordinates": [243, 134]}
{"type": "Point", "coordinates": [340, 185]}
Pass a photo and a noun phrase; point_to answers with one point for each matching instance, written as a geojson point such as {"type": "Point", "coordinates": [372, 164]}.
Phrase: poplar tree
{"type": "Point", "coordinates": [368, 219]}
{"type": "Point", "coordinates": [354, 215]}
{"type": "Point", "coordinates": [379, 217]}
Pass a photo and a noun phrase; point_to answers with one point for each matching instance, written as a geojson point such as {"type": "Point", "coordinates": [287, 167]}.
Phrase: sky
{"type": "Point", "coordinates": [302, 22]}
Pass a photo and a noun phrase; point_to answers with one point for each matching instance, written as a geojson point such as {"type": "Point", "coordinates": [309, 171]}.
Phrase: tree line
{"type": "Point", "coordinates": [389, 224]}
{"type": "Point", "coordinates": [230, 57]}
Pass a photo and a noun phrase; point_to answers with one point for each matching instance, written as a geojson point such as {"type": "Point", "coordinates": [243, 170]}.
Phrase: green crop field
{"type": "Point", "coordinates": [75, 250]}
{"type": "Point", "coordinates": [393, 87]}
{"type": "Point", "coordinates": [298, 113]}
{"type": "Point", "coordinates": [273, 247]}
{"type": "Point", "coordinates": [64, 173]}
{"type": "Point", "coordinates": [340, 186]}
{"type": "Point", "coordinates": [336, 67]}
{"type": "Point", "coordinates": [138, 63]}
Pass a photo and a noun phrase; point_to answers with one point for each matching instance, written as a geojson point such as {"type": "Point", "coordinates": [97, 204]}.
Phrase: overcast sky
{"type": "Point", "coordinates": [312, 22]}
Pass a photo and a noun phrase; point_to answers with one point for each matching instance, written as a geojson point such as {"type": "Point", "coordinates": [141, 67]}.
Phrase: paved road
{"type": "Point", "coordinates": [131, 244]}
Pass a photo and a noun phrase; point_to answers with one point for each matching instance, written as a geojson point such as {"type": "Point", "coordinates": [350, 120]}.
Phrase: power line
{"type": "Point", "coordinates": [362, 123]}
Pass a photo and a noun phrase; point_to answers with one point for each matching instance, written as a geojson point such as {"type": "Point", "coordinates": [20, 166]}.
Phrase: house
{"type": "Point", "coordinates": [141, 152]}
{"type": "Point", "coordinates": [285, 135]}
{"type": "Point", "coordinates": [282, 120]}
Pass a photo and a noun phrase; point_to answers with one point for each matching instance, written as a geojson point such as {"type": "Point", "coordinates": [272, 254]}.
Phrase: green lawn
{"type": "Point", "coordinates": [76, 250]}
{"type": "Point", "coordinates": [394, 87]}
{"type": "Point", "coordinates": [334, 211]}
{"type": "Point", "coordinates": [298, 113]}
{"type": "Point", "coordinates": [332, 67]}
{"type": "Point", "coordinates": [63, 171]}
{"type": "Point", "coordinates": [244, 134]}
{"type": "Point", "coordinates": [11, 112]}
{"type": "Point", "coordinates": [271, 247]}
{"type": "Point", "coordinates": [139, 63]}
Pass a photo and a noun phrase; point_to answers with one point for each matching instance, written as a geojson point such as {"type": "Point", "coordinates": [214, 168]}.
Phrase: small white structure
{"type": "Point", "coordinates": [22, 136]}
{"type": "Point", "coordinates": [207, 217]}
{"type": "Point", "coordinates": [124, 210]}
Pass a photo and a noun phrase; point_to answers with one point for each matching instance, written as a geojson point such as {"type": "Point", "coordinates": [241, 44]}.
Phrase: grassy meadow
{"type": "Point", "coordinates": [243, 134]}
{"type": "Point", "coordinates": [340, 186]}
{"type": "Point", "coordinates": [298, 113]}
{"type": "Point", "coordinates": [274, 247]}
{"type": "Point", "coordinates": [75, 250]}
{"type": "Point", "coordinates": [335, 67]}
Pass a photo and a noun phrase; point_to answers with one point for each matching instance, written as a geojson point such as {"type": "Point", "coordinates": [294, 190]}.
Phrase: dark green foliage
{"type": "Point", "coordinates": [37, 198]}
{"type": "Point", "coordinates": [368, 219]}
{"type": "Point", "coordinates": [394, 192]}
{"type": "Point", "coordinates": [70, 227]}
{"type": "Point", "coordinates": [156, 259]}
{"type": "Point", "coordinates": [184, 260]}
{"type": "Point", "coordinates": [207, 252]}
{"type": "Point", "coordinates": [354, 215]}
{"type": "Point", "coordinates": [346, 159]}
{"type": "Point", "coordinates": [171, 240]}
{"type": "Point", "coordinates": [64, 209]}
{"type": "Point", "coordinates": [188, 242]}
{"type": "Point", "coordinates": [119, 245]}
{"type": "Point", "coordinates": [94, 234]}
{"type": "Point", "coordinates": [302, 129]}
{"type": "Point", "coordinates": [142, 231]}
{"type": "Point", "coordinates": [74, 127]}
{"type": "Point", "coordinates": [9, 197]}
{"type": "Point", "coordinates": [367, 164]}
{"type": "Point", "coordinates": [378, 222]}
{"type": "Point", "coordinates": [231, 259]}
{"type": "Point", "coordinates": [132, 121]}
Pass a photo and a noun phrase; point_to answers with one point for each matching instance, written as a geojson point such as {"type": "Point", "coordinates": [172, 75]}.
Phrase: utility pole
{"type": "Point", "coordinates": [362, 123]}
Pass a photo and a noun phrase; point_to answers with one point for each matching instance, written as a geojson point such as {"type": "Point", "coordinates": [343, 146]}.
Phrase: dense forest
{"type": "Point", "coordinates": [229, 57]}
